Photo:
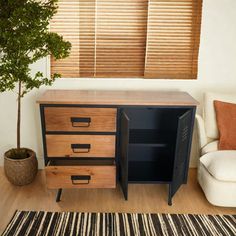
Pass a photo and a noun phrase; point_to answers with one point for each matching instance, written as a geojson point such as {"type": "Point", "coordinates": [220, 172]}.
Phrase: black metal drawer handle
{"type": "Point", "coordinates": [80, 121]}
{"type": "Point", "coordinates": [76, 178]}
{"type": "Point", "coordinates": [85, 148]}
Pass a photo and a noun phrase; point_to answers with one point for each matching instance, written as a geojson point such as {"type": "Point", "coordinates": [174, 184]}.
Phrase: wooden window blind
{"type": "Point", "coordinates": [86, 38]}
{"type": "Point", "coordinates": [129, 38]}
{"type": "Point", "coordinates": [66, 23]}
{"type": "Point", "coordinates": [75, 21]}
{"type": "Point", "coordinates": [173, 34]}
{"type": "Point", "coordinates": [121, 38]}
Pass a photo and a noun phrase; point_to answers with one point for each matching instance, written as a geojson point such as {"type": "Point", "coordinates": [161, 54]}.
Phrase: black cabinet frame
{"type": "Point", "coordinates": [177, 161]}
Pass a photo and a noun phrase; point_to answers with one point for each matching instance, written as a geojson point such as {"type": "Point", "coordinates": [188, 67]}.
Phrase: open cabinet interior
{"type": "Point", "coordinates": [152, 136]}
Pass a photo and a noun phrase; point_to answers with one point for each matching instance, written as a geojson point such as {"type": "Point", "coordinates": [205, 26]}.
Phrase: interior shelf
{"type": "Point", "coordinates": [151, 171]}
{"type": "Point", "coordinates": [150, 137]}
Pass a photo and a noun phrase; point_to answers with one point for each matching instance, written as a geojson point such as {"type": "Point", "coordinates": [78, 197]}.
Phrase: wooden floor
{"type": "Point", "coordinates": [142, 198]}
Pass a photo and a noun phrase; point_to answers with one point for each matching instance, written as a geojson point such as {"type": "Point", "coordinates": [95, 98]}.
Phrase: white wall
{"type": "Point", "coordinates": [217, 72]}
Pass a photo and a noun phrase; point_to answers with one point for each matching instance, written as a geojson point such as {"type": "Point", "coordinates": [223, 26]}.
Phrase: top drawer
{"type": "Point", "coordinates": [80, 119]}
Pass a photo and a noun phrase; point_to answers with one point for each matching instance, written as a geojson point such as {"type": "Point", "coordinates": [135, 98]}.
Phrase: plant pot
{"type": "Point", "coordinates": [21, 171]}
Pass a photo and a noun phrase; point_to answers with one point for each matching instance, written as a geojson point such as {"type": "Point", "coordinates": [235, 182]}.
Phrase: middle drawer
{"type": "Point", "coordinates": [80, 145]}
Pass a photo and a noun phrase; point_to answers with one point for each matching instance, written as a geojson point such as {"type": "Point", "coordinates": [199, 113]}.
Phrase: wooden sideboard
{"type": "Point", "coordinates": [92, 139]}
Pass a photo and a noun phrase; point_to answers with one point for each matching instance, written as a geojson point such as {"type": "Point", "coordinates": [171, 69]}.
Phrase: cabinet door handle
{"type": "Point", "coordinates": [80, 121]}
{"type": "Point", "coordinates": [80, 148]}
{"type": "Point", "coordinates": [76, 179]}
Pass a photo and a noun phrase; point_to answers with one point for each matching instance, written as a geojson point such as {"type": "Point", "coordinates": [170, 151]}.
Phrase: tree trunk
{"type": "Point", "coordinates": [18, 117]}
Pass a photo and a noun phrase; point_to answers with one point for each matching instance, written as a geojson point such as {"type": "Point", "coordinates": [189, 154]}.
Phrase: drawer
{"type": "Point", "coordinates": [80, 119]}
{"type": "Point", "coordinates": [80, 145]}
{"type": "Point", "coordinates": [81, 175]}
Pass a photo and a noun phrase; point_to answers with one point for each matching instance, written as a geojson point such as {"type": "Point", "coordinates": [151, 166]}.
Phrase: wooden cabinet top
{"type": "Point", "coordinates": [98, 97]}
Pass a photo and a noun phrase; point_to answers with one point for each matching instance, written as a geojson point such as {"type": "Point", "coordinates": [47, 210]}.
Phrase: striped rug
{"type": "Point", "coordinates": [69, 223]}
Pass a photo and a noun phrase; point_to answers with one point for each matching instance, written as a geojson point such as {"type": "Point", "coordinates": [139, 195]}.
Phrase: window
{"type": "Point", "coordinates": [129, 38]}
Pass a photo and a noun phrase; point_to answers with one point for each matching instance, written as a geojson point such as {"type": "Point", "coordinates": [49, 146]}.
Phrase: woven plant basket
{"type": "Point", "coordinates": [21, 171]}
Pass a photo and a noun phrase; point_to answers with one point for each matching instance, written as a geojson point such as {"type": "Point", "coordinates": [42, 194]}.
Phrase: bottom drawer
{"type": "Point", "coordinates": [79, 174]}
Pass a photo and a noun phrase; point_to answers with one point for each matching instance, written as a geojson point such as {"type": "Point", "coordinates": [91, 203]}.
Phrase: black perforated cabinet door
{"type": "Point", "coordinates": [184, 132]}
{"type": "Point", "coordinates": [124, 136]}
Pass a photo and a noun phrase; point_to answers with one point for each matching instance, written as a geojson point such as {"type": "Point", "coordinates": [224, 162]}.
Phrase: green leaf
{"type": "Point", "coordinates": [24, 39]}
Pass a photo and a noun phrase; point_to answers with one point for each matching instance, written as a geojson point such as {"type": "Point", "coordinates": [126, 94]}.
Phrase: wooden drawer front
{"type": "Point", "coordinates": [80, 119]}
{"type": "Point", "coordinates": [81, 176]}
{"type": "Point", "coordinates": [80, 145]}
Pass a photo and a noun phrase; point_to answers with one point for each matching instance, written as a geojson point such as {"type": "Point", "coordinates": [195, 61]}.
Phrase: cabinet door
{"type": "Point", "coordinates": [124, 137]}
{"type": "Point", "coordinates": [184, 132]}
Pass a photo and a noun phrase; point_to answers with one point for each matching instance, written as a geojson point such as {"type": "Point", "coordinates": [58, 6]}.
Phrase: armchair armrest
{"type": "Point", "coordinates": [203, 140]}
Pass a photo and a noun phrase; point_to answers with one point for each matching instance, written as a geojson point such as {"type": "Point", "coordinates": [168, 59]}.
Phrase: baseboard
{"type": "Point", "coordinates": [40, 163]}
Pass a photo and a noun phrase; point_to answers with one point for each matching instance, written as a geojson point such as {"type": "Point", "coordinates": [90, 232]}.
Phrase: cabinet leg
{"type": "Point", "coordinates": [185, 178]}
{"type": "Point", "coordinates": [169, 201]}
{"type": "Point", "coordinates": [58, 197]}
{"type": "Point", "coordinates": [125, 196]}
{"type": "Point", "coordinates": [169, 196]}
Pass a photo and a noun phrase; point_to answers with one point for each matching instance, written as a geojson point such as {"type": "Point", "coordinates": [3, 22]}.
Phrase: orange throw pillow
{"type": "Point", "coordinates": [226, 122]}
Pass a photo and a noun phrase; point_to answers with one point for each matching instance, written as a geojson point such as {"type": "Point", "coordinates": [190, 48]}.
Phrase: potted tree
{"type": "Point", "coordinates": [24, 39]}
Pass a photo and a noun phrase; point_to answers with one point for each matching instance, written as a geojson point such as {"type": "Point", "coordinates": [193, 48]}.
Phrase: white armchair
{"type": "Point", "coordinates": [216, 169]}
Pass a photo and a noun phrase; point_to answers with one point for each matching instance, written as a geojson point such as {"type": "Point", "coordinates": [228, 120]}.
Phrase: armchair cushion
{"type": "Point", "coordinates": [209, 112]}
{"type": "Point", "coordinates": [201, 131]}
{"type": "Point", "coordinates": [210, 147]}
{"type": "Point", "coordinates": [221, 165]}
{"type": "Point", "coordinates": [226, 122]}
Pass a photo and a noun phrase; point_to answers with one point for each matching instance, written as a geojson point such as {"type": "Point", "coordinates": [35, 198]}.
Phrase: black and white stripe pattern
{"type": "Point", "coordinates": [120, 224]}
